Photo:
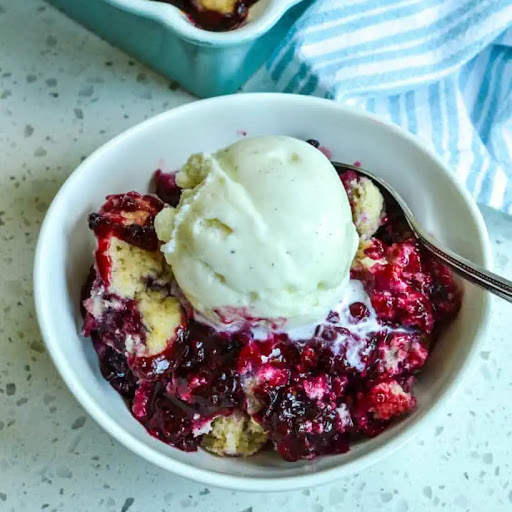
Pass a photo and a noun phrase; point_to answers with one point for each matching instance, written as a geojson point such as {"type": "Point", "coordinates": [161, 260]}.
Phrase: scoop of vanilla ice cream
{"type": "Point", "coordinates": [263, 232]}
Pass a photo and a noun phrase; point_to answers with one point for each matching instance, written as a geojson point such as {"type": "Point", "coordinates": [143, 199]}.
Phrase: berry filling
{"type": "Point", "coordinates": [207, 378]}
{"type": "Point", "coordinates": [166, 188]}
{"type": "Point", "coordinates": [214, 16]}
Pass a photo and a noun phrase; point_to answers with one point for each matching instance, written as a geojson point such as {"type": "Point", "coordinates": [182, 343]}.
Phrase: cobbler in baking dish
{"type": "Point", "coordinates": [237, 389]}
{"type": "Point", "coordinates": [214, 15]}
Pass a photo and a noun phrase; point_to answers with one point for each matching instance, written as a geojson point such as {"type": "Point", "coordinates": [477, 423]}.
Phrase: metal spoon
{"type": "Point", "coordinates": [465, 268]}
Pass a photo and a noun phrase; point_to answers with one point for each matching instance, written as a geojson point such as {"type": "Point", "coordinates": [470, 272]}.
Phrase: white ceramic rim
{"type": "Point", "coordinates": [173, 18]}
{"type": "Point", "coordinates": [209, 477]}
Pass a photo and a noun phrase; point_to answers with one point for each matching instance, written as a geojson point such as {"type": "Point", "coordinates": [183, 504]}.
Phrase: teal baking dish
{"type": "Point", "coordinates": [205, 63]}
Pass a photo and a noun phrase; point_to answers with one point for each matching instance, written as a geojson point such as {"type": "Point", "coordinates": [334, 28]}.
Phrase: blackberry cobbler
{"type": "Point", "coordinates": [235, 392]}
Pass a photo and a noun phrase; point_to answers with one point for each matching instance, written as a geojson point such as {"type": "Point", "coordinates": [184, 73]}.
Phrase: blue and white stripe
{"type": "Point", "coordinates": [440, 68]}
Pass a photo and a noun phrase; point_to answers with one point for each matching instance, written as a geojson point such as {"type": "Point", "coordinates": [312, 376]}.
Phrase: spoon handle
{"type": "Point", "coordinates": [465, 268]}
{"type": "Point", "coordinates": [468, 270]}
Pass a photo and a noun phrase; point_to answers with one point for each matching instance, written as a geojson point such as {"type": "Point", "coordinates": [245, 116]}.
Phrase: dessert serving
{"type": "Point", "coordinates": [261, 301]}
{"type": "Point", "coordinates": [214, 15]}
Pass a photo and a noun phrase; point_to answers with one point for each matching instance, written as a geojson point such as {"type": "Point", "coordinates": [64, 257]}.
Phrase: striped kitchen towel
{"type": "Point", "coordinates": [440, 68]}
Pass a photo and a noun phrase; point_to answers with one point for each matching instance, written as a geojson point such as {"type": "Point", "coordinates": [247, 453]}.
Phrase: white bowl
{"type": "Point", "coordinates": [165, 141]}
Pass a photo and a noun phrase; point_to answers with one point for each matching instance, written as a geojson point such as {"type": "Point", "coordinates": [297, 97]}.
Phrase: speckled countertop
{"type": "Point", "coordinates": [63, 92]}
